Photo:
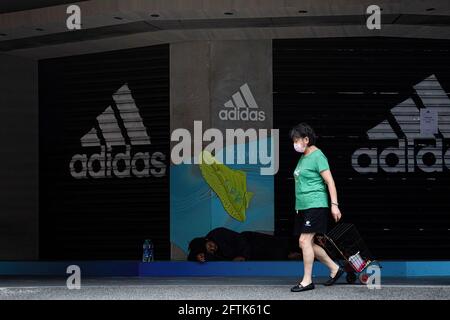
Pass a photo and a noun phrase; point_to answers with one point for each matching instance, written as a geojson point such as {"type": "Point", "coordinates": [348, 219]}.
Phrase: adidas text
{"type": "Point", "coordinates": [242, 107]}
{"type": "Point", "coordinates": [244, 115]}
{"type": "Point", "coordinates": [121, 165]}
{"type": "Point", "coordinates": [408, 158]}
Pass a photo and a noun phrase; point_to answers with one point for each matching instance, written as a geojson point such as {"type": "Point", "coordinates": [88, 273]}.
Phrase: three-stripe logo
{"type": "Point", "coordinates": [120, 125]}
{"type": "Point", "coordinates": [242, 106]}
{"type": "Point", "coordinates": [108, 124]}
{"type": "Point", "coordinates": [422, 119]}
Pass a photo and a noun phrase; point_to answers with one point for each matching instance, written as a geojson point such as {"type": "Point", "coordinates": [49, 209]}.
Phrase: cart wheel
{"type": "Point", "coordinates": [351, 277]}
{"type": "Point", "coordinates": [363, 278]}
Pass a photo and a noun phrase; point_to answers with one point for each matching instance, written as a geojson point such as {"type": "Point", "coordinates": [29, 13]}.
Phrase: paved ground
{"type": "Point", "coordinates": [218, 288]}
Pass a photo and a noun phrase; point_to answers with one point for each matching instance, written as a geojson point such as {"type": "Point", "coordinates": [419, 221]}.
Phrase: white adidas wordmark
{"type": "Point", "coordinates": [429, 123]}
{"type": "Point", "coordinates": [242, 106]}
{"type": "Point", "coordinates": [134, 133]}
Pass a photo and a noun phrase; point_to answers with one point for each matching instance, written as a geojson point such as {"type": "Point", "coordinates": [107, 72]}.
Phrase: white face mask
{"type": "Point", "coordinates": [299, 147]}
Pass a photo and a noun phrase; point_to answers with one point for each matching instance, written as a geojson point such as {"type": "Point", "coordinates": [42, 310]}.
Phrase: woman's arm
{"type": "Point", "coordinates": [329, 181]}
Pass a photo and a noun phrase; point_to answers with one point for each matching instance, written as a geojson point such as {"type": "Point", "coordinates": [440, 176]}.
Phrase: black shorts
{"type": "Point", "coordinates": [312, 220]}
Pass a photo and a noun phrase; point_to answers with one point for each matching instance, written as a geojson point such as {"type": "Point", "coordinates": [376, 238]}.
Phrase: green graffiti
{"type": "Point", "coordinates": [229, 185]}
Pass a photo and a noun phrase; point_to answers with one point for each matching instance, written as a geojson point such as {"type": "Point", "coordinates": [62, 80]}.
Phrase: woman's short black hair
{"type": "Point", "coordinates": [303, 130]}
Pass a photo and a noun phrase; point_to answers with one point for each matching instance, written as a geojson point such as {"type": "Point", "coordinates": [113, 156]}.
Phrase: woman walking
{"type": "Point", "coordinates": [313, 183]}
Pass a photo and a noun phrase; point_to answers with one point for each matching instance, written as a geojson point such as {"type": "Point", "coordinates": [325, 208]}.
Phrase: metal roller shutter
{"type": "Point", "coordinates": [368, 93]}
{"type": "Point", "coordinates": [116, 103]}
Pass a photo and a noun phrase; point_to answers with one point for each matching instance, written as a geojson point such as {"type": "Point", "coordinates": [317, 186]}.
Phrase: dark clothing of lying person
{"type": "Point", "coordinates": [222, 244]}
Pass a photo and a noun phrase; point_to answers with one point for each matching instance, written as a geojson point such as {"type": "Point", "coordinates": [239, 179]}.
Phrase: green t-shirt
{"type": "Point", "coordinates": [310, 188]}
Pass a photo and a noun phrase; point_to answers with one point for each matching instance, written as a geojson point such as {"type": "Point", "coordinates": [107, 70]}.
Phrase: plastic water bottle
{"type": "Point", "coordinates": [145, 251]}
{"type": "Point", "coordinates": [151, 256]}
{"type": "Point", "coordinates": [147, 255]}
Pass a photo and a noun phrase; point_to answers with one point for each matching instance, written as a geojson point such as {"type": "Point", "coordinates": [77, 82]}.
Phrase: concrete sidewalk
{"type": "Point", "coordinates": [429, 288]}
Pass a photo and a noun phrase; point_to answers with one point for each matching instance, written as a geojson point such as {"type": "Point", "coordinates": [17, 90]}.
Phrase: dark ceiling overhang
{"type": "Point", "coordinates": [40, 31]}
{"type": "Point", "coordinates": [153, 26]}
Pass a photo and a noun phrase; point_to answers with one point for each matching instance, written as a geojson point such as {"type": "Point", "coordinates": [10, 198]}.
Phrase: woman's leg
{"type": "Point", "coordinates": [306, 244]}
{"type": "Point", "coordinates": [323, 257]}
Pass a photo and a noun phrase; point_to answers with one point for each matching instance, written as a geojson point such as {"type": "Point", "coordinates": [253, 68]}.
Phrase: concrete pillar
{"type": "Point", "coordinates": [213, 82]}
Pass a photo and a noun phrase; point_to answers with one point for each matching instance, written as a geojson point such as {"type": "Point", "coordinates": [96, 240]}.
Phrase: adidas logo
{"type": "Point", "coordinates": [422, 122]}
{"type": "Point", "coordinates": [242, 107]}
{"type": "Point", "coordinates": [120, 125]}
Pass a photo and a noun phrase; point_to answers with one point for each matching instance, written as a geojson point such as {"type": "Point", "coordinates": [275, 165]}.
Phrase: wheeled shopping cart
{"type": "Point", "coordinates": [345, 243]}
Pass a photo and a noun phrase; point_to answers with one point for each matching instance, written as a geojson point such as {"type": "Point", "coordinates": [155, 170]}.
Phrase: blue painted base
{"type": "Point", "coordinates": [286, 269]}
{"type": "Point", "coordinates": [225, 269]}
{"type": "Point", "coordinates": [58, 268]}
